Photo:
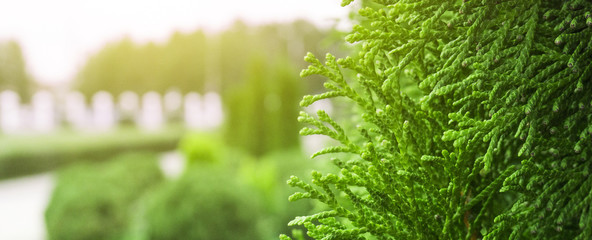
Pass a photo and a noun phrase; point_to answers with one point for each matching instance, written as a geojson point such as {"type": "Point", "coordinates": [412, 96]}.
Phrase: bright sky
{"type": "Point", "coordinates": [58, 35]}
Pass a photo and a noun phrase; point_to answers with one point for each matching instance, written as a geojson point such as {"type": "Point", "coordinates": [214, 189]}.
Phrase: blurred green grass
{"type": "Point", "coordinates": [29, 154]}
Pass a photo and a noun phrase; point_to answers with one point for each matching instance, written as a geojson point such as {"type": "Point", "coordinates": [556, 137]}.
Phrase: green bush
{"type": "Point", "coordinates": [206, 202]}
{"type": "Point", "coordinates": [202, 203]}
{"type": "Point", "coordinates": [492, 141]}
{"type": "Point", "coordinates": [94, 200]}
{"type": "Point", "coordinates": [201, 148]}
{"type": "Point", "coordinates": [268, 176]}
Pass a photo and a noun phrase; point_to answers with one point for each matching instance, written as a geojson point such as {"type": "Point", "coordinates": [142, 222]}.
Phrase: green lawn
{"type": "Point", "coordinates": [29, 154]}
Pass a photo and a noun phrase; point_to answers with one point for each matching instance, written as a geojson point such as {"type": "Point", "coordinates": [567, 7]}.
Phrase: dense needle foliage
{"type": "Point", "coordinates": [497, 145]}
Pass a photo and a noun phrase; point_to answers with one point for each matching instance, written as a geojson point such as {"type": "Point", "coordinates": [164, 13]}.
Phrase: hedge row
{"type": "Point", "coordinates": [29, 154]}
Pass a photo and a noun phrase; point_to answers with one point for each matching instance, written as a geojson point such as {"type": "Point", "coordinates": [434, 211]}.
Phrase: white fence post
{"type": "Point", "coordinates": [103, 110]}
{"type": "Point", "coordinates": [151, 117]}
{"type": "Point", "coordinates": [43, 111]}
{"type": "Point", "coordinates": [193, 110]}
{"type": "Point", "coordinates": [129, 105]}
{"type": "Point", "coordinates": [212, 110]}
{"type": "Point", "coordinates": [76, 111]}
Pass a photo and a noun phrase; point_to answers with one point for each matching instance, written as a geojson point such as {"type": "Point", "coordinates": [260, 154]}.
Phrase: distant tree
{"type": "Point", "coordinates": [126, 66]}
{"type": "Point", "coordinates": [13, 71]}
{"type": "Point", "coordinates": [196, 61]}
{"type": "Point", "coordinates": [184, 62]}
{"type": "Point", "coordinates": [111, 69]}
{"type": "Point", "coordinates": [261, 112]}
{"type": "Point", "coordinates": [235, 49]}
{"type": "Point", "coordinates": [253, 68]}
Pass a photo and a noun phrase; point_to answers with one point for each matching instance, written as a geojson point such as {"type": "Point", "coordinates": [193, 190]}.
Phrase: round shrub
{"type": "Point", "coordinates": [92, 201]}
{"type": "Point", "coordinates": [204, 203]}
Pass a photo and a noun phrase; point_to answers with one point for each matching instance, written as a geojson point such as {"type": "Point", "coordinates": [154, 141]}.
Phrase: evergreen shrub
{"type": "Point", "coordinates": [95, 200]}
{"type": "Point", "coordinates": [497, 143]}
{"type": "Point", "coordinates": [204, 203]}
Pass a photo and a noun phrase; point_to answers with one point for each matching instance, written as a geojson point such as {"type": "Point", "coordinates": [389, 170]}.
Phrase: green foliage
{"type": "Point", "coordinates": [234, 176]}
{"type": "Point", "coordinates": [267, 176]}
{"type": "Point", "coordinates": [126, 66]}
{"type": "Point", "coordinates": [201, 148]}
{"type": "Point", "coordinates": [253, 68]}
{"type": "Point", "coordinates": [262, 177]}
{"type": "Point", "coordinates": [264, 106]}
{"type": "Point", "coordinates": [235, 48]}
{"type": "Point", "coordinates": [205, 203]}
{"type": "Point", "coordinates": [93, 201]}
{"type": "Point", "coordinates": [258, 83]}
{"type": "Point", "coordinates": [28, 154]}
{"type": "Point", "coordinates": [194, 61]}
{"type": "Point", "coordinates": [13, 71]}
{"type": "Point", "coordinates": [474, 122]}
{"type": "Point", "coordinates": [223, 194]}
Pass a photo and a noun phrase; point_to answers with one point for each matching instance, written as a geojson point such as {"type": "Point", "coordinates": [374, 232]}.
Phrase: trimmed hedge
{"type": "Point", "coordinates": [29, 154]}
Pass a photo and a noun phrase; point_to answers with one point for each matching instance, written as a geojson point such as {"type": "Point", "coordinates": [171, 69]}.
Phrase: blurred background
{"type": "Point", "coordinates": [144, 119]}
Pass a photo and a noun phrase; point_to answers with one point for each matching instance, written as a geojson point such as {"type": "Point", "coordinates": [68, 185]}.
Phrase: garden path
{"type": "Point", "coordinates": [22, 204]}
